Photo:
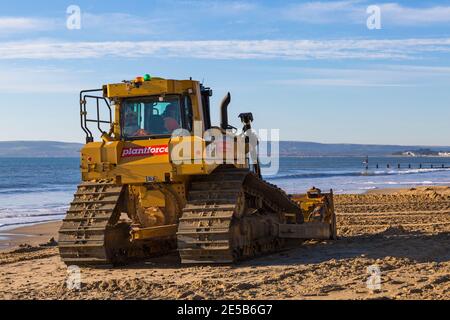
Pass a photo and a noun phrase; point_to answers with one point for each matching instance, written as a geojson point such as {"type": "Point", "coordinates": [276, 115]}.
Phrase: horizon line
{"type": "Point", "coordinates": [300, 141]}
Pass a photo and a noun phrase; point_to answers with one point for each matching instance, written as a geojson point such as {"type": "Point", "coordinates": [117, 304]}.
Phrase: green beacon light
{"type": "Point", "coordinates": [147, 77]}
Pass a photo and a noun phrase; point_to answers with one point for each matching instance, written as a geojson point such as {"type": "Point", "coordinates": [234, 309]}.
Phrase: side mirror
{"type": "Point", "coordinates": [246, 119]}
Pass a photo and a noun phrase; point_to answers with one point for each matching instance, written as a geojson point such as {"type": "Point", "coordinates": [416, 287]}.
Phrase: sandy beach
{"type": "Point", "coordinates": [33, 235]}
{"type": "Point", "coordinates": [403, 233]}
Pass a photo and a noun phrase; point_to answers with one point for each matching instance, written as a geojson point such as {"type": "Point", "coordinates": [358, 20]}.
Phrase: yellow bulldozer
{"type": "Point", "coordinates": [149, 185]}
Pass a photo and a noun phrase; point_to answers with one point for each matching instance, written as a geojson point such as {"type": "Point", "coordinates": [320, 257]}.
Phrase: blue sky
{"type": "Point", "coordinates": [310, 68]}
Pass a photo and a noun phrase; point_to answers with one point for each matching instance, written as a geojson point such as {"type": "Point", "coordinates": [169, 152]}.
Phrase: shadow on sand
{"type": "Point", "coordinates": [411, 245]}
{"type": "Point", "coordinates": [416, 246]}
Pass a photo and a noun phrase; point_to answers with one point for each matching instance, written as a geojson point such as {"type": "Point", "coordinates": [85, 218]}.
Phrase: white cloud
{"type": "Point", "coordinates": [10, 25]}
{"type": "Point", "coordinates": [397, 14]}
{"type": "Point", "coordinates": [123, 23]}
{"type": "Point", "coordinates": [354, 11]}
{"type": "Point", "coordinates": [332, 82]}
{"type": "Point", "coordinates": [229, 49]}
{"type": "Point", "coordinates": [41, 79]}
{"type": "Point", "coordinates": [217, 7]}
{"type": "Point", "coordinates": [374, 76]}
{"type": "Point", "coordinates": [325, 12]}
{"type": "Point", "coordinates": [107, 23]}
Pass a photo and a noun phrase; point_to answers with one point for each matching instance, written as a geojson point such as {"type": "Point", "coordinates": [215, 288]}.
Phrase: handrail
{"type": "Point", "coordinates": [83, 113]}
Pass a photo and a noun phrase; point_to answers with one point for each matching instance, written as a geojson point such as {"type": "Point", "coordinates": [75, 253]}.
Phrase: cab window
{"type": "Point", "coordinates": [188, 116]}
{"type": "Point", "coordinates": [151, 116]}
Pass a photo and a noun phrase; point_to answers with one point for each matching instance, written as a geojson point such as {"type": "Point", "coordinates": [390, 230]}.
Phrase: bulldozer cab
{"type": "Point", "coordinates": [145, 108]}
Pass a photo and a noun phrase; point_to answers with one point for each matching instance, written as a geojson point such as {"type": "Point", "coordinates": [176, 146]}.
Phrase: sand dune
{"type": "Point", "coordinates": [405, 233]}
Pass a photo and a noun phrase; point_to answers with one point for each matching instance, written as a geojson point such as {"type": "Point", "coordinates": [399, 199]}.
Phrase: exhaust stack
{"type": "Point", "coordinates": [224, 111]}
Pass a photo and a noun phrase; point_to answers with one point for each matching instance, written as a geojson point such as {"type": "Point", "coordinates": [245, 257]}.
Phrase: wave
{"type": "Point", "coordinates": [8, 190]}
{"type": "Point", "coordinates": [368, 188]}
{"type": "Point", "coordinates": [15, 214]}
{"type": "Point", "coordinates": [425, 182]}
{"type": "Point", "coordinates": [6, 226]}
{"type": "Point", "coordinates": [11, 217]}
{"type": "Point", "coordinates": [311, 175]}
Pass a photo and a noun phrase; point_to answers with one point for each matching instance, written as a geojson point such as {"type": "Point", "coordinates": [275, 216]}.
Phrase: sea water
{"type": "Point", "coordinates": [352, 175]}
{"type": "Point", "coordinates": [34, 190]}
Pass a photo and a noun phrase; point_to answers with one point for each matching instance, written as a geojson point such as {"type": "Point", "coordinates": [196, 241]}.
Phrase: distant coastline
{"type": "Point", "coordinates": [423, 152]}
{"type": "Point", "coordinates": [57, 149]}
{"type": "Point", "coordinates": [418, 156]}
{"type": "Point", "coordinates": [39, 149]}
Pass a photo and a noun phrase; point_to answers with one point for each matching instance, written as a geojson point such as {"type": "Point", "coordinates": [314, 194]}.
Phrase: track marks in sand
{"type": "Point", "coordinates": [406, 235]}
{"type": "Point", "coordinates": [425, 209]}
{"type": "Point", "coordinates": [31, 253]}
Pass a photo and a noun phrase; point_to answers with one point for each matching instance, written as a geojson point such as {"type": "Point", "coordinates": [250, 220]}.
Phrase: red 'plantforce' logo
{"type": "Point", "coordinates": [145, 151]}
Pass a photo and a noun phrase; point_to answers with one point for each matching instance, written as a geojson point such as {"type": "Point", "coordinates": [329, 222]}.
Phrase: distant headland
{"type": "Point", "coordinates": [57, 149]}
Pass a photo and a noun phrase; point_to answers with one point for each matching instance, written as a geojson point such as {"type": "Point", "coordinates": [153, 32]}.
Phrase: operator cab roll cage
{"type": "Point", "coordinates": [84, 96]}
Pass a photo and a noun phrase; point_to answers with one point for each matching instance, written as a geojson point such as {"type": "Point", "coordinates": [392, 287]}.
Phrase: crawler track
{"type": "Point", "coordinates": [87, 233]}
{"type": "Point", "coordinates": [92, 234]}
{"type": "Point", "coordinates": [231, 215]}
